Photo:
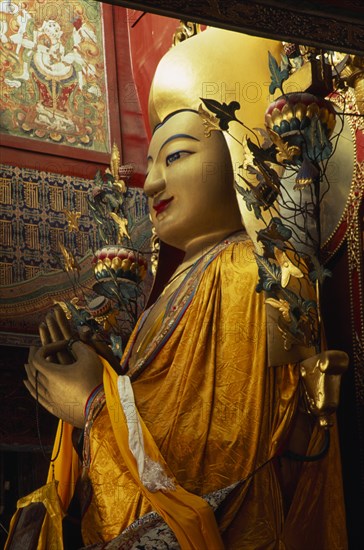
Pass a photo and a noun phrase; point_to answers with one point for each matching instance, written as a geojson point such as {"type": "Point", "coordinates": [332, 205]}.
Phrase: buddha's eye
{"type": "Point", "coordinates": [176, 156]}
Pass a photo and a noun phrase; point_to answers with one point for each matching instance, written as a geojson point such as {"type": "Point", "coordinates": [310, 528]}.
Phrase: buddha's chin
{"type": "Point", "coordinates": [161, 216]}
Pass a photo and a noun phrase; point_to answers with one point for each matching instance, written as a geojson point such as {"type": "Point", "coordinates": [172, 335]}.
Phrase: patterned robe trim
{"type": "Point", "coordinates": [150, 531]}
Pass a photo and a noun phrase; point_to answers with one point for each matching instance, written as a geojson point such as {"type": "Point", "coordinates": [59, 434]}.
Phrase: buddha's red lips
{"type": "Point", "coordinates": [160, 206]}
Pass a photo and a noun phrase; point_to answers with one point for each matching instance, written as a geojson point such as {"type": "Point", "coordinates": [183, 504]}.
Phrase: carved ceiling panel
{"type": "Point", "coordinates": [331, 24]}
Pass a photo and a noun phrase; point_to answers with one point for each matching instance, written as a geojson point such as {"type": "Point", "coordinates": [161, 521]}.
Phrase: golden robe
{"type": "Point", "coordinates": [217, 415]}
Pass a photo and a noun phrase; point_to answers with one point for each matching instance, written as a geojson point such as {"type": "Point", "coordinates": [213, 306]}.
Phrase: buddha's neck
{"type": "Point", "coordinates": [201, 245]}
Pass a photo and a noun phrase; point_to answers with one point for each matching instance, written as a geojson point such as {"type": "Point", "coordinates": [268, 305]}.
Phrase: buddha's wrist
{"type": "Point", "coordinates": [90, 400]}
{"type": "Point", "coordinates": [93, 406]}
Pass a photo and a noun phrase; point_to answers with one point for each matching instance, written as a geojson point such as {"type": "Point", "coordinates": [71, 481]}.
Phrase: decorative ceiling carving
{"type": "Point", "coordinates": [330, 24]}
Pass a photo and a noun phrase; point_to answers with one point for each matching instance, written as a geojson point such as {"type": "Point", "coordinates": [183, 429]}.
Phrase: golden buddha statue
{"type": "Point", "coordinates": [188, 448]}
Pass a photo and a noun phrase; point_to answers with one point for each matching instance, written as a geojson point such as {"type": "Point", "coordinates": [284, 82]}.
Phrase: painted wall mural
{"type": "Point", "coordinates": [41, 212]}
{"type": "Point", "coordinates": [53, 78]}
{"type": "Point", "coordinates": [34, 209]}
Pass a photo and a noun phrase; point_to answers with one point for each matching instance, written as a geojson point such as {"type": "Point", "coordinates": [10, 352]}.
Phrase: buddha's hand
{"type": "Point", "coordinates": [63, 372]}
{"type": "Point", "coordinates": [63, 389]}
{"type": "Point", "coordinates": [57, 327]}
{"type": "Point", "coordinates": [321, 377]}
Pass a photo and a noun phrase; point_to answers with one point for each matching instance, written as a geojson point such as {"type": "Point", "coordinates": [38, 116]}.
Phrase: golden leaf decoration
{"type": "Point", "coordinates": [72, 219]}
{"type": "Point", "coordinates": [285, 152]}
{"type": "Point", "coordinates": [122, 226]}
{"type": "Point", "coordinates": [65, 309]}
{"type": "Point", "coordinates": [120, 185]}
{"type": "Point", "coordinates": [70, 261]}
{"type": "Point", "coordinates": [288, 269]}
{"type": "Point", "coordinates": [115, 161]}
{"type": "Point", "coordinates": [210, 122]}
{"type": "Point", "coordinates": [267, 142]}
{"type": "Point", "coordinates": [282, 306]}
{"type": "Point", "coordinates": [248, 155]}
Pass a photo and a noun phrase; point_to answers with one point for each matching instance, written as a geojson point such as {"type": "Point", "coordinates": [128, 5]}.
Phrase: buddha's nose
{"type": "Point", "coordinates": [154, 184]}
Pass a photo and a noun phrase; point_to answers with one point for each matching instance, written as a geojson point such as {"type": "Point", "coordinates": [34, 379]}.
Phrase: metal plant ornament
{"type": "Point", "coordinates": [110, 309]}
{"type": "Point", "coordinates": [297, 141]}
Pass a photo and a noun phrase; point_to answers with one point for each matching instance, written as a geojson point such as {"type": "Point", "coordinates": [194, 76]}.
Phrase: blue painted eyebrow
{"type": "Point", "coordinates": [172, 138]}
{"type": "Point", "coordinates": [176, 136]}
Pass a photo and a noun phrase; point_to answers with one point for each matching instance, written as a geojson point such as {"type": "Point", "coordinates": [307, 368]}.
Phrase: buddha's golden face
{"type": "Point", "coordinates": [189, 180]}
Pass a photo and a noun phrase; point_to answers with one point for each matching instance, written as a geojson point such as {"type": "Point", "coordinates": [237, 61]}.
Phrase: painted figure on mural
{"type": "Point", "coordinates": [53, 64]}
{"type": "Point", "coordinates": [55, 71]}
{"type": "Point", "coordinates": [188, 448]}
